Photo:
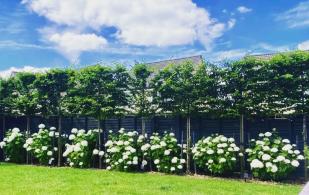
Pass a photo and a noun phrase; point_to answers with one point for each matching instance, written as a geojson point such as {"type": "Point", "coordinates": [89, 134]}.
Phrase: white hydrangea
{"type": "Point", "coordinates": [274, 168]}
{"type": "Point", "coordinates": [49, 153]}
{"type": "Point", "coordinates": [2, 144]}
{"type": "Point", "coordinates": [266, 157]}
{"type": "Point", "coordinates": [95, 152]}
{"type": "Point", "coordinates": [268, 164]}
{"type": "Point", "coordinates": [210, 151]}
{"type": "Point", "coordinates": [274, 150]}
{"type": "Point", "coordinates": [280, 158]}
{"type": "Point", "coordinates": [295, 163]}
{"type": "Point", "coordinates": [41, 126]}
{"type": "Point", "coordinates": [74, 130]}
{"type": "Point", "coordinates": [256, 164]}
{"type": "Point", "coordinates": [71, 137]}
{"type": "Point", "coordinates": [174, 160]}
{"type": "Point", "coordinates": [156, 161]}
{"type": "Point", "coordinates": [300, 157]}
{"type": "Point", "coordinates": [84, 143]}
{"type": "Point", "coordinates": [287, 147]}
{"type": "Point", "coordinates": [261, 135]}
{"type": "Point", "coordinates": [222, 160]}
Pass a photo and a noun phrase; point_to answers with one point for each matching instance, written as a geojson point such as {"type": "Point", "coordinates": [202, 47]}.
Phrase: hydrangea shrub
{"type": "Point", "coordinates": [216, 154]}
{"type": "Point", "coordinates": [12, 146]}
{"type": "Point", "coordinates": [164, 152]}
{"type": "Point", "coordinates": [82, 148]}
{"type": "Point", "coordinates": [41, 145]}
{"type": "Point", "coordinates": [271, 157]}
{"type": "Point", "coordinates": [123, 150]}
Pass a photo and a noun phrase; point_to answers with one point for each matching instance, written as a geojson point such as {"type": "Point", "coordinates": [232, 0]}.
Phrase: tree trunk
{"type": "Point", "coordinates": [99, 128]}
{"type": "Point", "coordinates": [27, 136]}
{"type": "Point", "coordinates": [59, 141]}
{"type": "Point", "coordinates": [143, 126]}
{"type": "Point", "coordinates": [241, 137]}
{"type": "Point", "coordinates": [3, 133]}
{"type": "Point", "coordinates": [305, 143]}
{"type": "Point", "coordinates": [3, 126]}
{"type": "Point", "coordinates": [188, 144]}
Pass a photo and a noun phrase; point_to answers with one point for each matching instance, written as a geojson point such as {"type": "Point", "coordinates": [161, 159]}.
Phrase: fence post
{"type": "Point", "coordinates": [3, 126]}
{"type": "Point", "coordinates": [99, 129]}
{"type": "Point", "coordinates": [27, 136]}
{"type": "Point", "coordinates": [59, 140]}
{"type": "Point", "coordinates": [305, 143]}
{"type": "Point", "coordinates": [2, 134]}
{"type": "Point", "coordinates": [135, 125]}
{"type": "Point", "coordinates": [188, 144]}
{"type": "Point", "coordinates": [241, 139]}
{"type": "Point", "coordinates": [119, 123]}
{"type": "Point", "coordinates": [86, 123]}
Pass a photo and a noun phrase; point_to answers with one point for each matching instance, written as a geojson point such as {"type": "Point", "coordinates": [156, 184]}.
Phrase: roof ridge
{"type": "Point", "coordinates": [175, 59]}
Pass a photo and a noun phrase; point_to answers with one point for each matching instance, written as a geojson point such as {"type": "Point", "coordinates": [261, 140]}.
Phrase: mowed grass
{"type": "Point", "coordinates": [26, 179]}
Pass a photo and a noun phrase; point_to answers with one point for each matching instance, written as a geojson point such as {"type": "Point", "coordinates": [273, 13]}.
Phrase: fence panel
{"type": "Point", "coordinates": [200, 127]}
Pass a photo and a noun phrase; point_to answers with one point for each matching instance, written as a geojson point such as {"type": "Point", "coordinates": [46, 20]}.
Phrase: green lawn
{"type": "Point", "coordinates": [22, 179]}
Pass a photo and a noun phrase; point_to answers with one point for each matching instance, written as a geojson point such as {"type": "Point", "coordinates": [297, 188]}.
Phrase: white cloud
{"type": "Point", "coordinates": [159, 23]}
{"type": "Point", "coordinates": [231, 23]}
{"type": "Point", "coordinates": [303, 46]}
{"type": "Point", "coordinates": [272, 48]}
{"type": "Point", "coordinates": [9, 72]}
{"type": "Point", "coordinates": [72, 44]}
{"type": "Point", "coordinates": [17, 45]}
{"type": "Point", "coordinates": [243, 9]}
{"type": "Point", "coordinates": [297, 16]}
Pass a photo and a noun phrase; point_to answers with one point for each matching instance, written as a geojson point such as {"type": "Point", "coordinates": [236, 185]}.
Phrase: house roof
{"type": "Point", "coordinates": [270, 55]}
{"type": "Point", "coordinates": [156, 66]}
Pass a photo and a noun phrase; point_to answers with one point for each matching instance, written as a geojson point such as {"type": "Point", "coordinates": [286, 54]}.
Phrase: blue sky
{"type": "Point", "coordinates": [57, 33]}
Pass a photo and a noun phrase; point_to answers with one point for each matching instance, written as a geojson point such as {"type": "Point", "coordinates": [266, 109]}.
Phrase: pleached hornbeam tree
{"type": "Point", "coordinates": [289, 83]}
{"type": "Point", "coordinates": [4, 107]}
{"type": "Point", "coordinates": [141, 93]}
{"type": "Point", "coordinates": [100, 92]}
{"type": "Point", "coordinates": [24, 99]}
{"type": "Point", "coordinates": [53, 87]}
{"type": "Point", "coordinates": [184, 89]}
{"type": "Point", "coordinates": [243, 84]}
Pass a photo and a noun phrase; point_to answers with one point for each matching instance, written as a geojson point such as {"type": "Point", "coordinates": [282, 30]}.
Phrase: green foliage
{"type": "Point", "coordinates": [244, 85]}
{"type": "Point", "coordinates": [141, 93]}
{"type": "Point", "coordinates": [123, 151]}
{"type": "Point", "coordinates": [165, 153]}
{"type": "Point", "coordinates": [216, 154]}
{"type": "Point", "coordinates": [250, 86]}
{"type": "Point", "coordinates": [288, 83]}
{"type": "Point", "coordinates": [4, 90]}
{"type": "Point", "coordinates": [174, 91]}
{"type": "Point", "coordinates": [79, 153]}
{"type": "Point", "coordinates": [186, 89]}
{"type": "Point", "coordinates": [12, 146]}
{"type": "Point", "coordinates": [52, 87]}
{"type": "Point", "coordinates": [41, 145]}
{"type": "Point", "coordinates": [23, 97]}
{"type": "Point", "coordinates": [100, 91]}
{"type": "Point", "coordinates": [272, 157]}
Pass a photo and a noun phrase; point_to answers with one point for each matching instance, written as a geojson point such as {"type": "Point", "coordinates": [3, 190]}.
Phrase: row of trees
{"type": "Point", "coordinates": [249, 87]}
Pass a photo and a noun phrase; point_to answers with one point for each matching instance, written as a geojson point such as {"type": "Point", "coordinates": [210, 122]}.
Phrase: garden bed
{"type": "Point", "coordinates": [26, 179]}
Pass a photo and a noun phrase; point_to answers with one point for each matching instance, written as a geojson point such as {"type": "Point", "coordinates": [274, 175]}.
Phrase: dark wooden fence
{"type": "Point", "coordinates": [200, 127]}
